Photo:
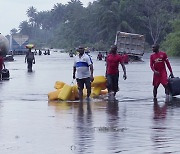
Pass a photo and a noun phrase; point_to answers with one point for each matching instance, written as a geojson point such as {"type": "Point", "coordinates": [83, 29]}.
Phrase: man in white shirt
{"type": "Point", "coordinates": [83, 72]}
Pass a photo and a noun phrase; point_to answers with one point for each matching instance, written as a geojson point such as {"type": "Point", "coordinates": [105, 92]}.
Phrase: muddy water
{"type": "Point", "coordinates": [132, 124]}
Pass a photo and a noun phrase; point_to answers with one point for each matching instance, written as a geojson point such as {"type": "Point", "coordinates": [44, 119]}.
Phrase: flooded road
{"type": "Point", "coordinates": [132, 124]}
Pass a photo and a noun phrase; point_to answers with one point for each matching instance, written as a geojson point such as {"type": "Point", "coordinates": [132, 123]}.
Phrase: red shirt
{"type": "Point", "coordinates": [125, 58]}
{"type": "Point", "coordinates": [1, 62]}
{"type": "Point", "coordinates": [113, 61]}
{"type": "Point", "coordinates": [158, 60]}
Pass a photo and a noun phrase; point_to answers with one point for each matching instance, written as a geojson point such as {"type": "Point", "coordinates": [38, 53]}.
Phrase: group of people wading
{"type": "Point", "coordinates": [83, 71]}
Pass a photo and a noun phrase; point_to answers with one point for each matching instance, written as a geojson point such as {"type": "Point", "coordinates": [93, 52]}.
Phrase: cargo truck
{"type": "Point", "coordinates": [130, 44]}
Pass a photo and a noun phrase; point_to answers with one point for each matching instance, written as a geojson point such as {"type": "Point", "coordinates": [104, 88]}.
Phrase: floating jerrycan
{"type": "Point", "coordinates": [65, 92]}
{"type": "Point", "coordinates": [59, 84]}
{"type": "Point", "coordinates": [53, 95]}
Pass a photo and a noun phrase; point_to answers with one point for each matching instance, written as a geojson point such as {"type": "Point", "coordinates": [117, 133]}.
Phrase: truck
{"type": "Point", "coordinates": [17, 43]}
{"type": "Point", "coordinates": [130, 44]}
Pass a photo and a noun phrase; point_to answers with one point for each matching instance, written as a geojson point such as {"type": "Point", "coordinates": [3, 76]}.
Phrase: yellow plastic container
{"type": "Point", "coordinates": [53, 95]}
{"type": "Point", "coordinates": [104, 92]}
{"type": "Point", "coordinates": [65, 92]}
{"type": "Point", "coordinates": [59, 84]}
{"type": "Point", "coordinates": [98, 80]}
{"type": "Point", "coordinates": [30, 46]}
{"type": "Point", "coordinates": [84, 92]}
{"type": "Point", "coordinates": [96, 91]}
{"type": "Point", "coordinates": [75, 91]}
{"type": "Point", "coordinates": [103, 86]}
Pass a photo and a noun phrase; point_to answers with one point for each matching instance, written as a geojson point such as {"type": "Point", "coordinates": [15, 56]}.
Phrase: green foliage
{"type": "Point", "coordinates": [71, 25]}
{"type": "Point", "coordinates": [172, 42]}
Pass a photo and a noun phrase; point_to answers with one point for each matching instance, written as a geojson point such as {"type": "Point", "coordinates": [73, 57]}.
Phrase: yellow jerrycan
{"type": "Point", "coordinates": [53, 95]}
{"type": "Point", "coordinates": [104, 92]}
{"type": "Point", "coordinates": [65, 92]}
{"type": "Point", "coordinates": [96, 91]}
{"type": "Point", "coordinates": [98, 80]}
{"type": "Point", "coordinates": [74, 94]}
{"type": "Point", "coordinates": [59, 84]}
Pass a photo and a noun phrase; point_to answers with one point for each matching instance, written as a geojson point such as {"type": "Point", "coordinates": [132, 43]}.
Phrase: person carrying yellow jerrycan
{"type": "Point", "coordinates": [83, 72]}
{"type": "Point", "coordinates": [70, 92]}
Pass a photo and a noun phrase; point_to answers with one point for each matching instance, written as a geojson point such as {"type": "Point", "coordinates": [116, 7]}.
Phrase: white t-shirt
{"type": "Point", "coordinates": [82, 66]}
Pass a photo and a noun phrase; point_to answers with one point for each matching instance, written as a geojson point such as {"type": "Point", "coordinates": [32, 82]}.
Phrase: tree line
{"type": "Point", "coordinates": [71, 25]}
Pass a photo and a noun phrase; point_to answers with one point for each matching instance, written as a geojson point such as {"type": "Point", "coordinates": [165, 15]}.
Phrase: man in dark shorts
{"type": "Point", "coordinates": [83, 72]}
{"type": "Point", "coordinates": [112, 70]}
{"type": "Point", "coordinates": [157, 63]}
{"type": "Point", "coordinates": [30, 60]}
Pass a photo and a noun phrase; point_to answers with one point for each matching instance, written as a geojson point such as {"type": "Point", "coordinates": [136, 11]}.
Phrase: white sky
{"type": "Point", "coordinates": [13, 12]}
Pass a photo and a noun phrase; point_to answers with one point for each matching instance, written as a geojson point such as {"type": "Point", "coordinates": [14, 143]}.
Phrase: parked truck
{"type": "Point", "coordinates": [17, 43]}
{"type": "Point", "coordinates": [130, 44]}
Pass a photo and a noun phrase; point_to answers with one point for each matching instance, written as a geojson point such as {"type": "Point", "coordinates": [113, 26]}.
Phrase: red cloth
{"type": "Point", "coordinates": [125, 58]}
{"type": "Point", "coordinates": [1, 63]}
{"type": "Point", "coordinates": [113, 61]}
{"type": "Point", "coordinates": [157, 63]}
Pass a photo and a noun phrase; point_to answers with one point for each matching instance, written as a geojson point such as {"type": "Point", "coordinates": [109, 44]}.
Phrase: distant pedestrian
{"type": "Point", "coordinates": [157, 63]}
{"type": "Point", "coordinates": [45, 53]}
{"type": "Point", "coordinates": [40, 52]}
{"type": "Point", "coordinates": [48, 52]}
{"type": "Point", "coordinates": [2, 65]}
{"type": "Point", "coordinates": [83, 72]}
{"type": "Point", "coordinates": [112, 70]}
{"type": "Point", "coordinates": [30, 60]}
{"type": "Point", "coordinates": [99, 56]}
{"type": "Point", "coordinates": [35, 52]}
{"type": "Point", "coordinates": [71, 53]}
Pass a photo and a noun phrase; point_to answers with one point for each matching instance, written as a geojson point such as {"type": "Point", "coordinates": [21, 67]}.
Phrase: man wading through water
{"type": "Point", "coordinates": [112, 71]}
{"type": "Point", "coordinates": [30, 60]}
{"type": "Point", "coordinates": [83, 72]}
{"type": "Point", "coordinates": [157, 63]}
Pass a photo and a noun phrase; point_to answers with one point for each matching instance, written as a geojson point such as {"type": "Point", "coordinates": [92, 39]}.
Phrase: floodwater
{"type": "Point", "coordinates": [132, 124]}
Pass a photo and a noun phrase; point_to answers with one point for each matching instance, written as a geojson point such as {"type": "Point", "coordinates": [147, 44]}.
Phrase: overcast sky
{"type": "Point", "coordinates": [12, 12]}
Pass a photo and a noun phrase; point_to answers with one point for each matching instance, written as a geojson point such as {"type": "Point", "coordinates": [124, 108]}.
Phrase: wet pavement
{"type": "Point", "coordinates": [134, 123]}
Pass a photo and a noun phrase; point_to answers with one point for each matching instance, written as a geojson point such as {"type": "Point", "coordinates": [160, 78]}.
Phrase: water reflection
{"type": "Point", "coordinates": [160, 111]}
{"type": "Point", "coordinates": [60, 106]}
{"type": "Point", "coordinates": [174, 103]}
{"type": "Point", "coordinates": [113, 124]}
{"type": "Point", "coordinates": [98, 127]}
{"type": "Point", "coordinates": [84, 131]}
{"type": "Point", "coordinates": [112, 108]}
{"type": "Point", "coordinates": [160, 135]}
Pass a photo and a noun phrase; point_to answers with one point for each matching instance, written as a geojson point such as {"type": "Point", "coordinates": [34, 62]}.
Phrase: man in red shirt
{"type": "Point", "coordinates": [157, 63]}
{"type": "Point", "coordinates": [112, 70]}
{"type": "Point", "coordinates": [2, 65]}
